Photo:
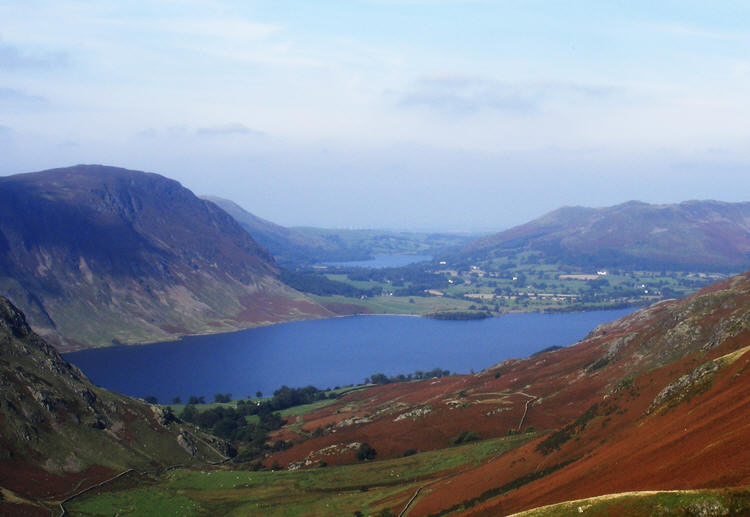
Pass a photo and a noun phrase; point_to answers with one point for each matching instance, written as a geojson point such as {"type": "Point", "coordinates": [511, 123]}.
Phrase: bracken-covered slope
{"type": "Point", "coordinates": [659, 400]}
{"type": "Point", "coordinates": [59, 433]}
{"type": "Point", "coordinates": [97, 255]}
{"type": "Point", "coordinates": [708, 235]}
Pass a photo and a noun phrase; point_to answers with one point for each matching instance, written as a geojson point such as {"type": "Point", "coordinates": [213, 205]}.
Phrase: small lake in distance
{"type": "Point", "coordinates": [381, 261]}
{"type": "Point", "coordinates": [327, 353]}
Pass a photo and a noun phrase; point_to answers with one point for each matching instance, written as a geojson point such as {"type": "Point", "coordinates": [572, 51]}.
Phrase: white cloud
{"type": "Point", "coordinates": [13, 58]}
{"type": "Point", "coordinates": [14, 100]}
{"type": "Point", "coordinates": [215, 28]}
{"type": "Point", "coordinates": [466, 95]}
{"type": "Point", "coordinates": [691, 31]}
{"type": "Point", "coordinates": [227, 130]}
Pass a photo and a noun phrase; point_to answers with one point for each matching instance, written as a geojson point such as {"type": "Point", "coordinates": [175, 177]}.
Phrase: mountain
{"type": "Point", "coordinates": [60, 434]}
{"type": "Point", "coordinates": [658, 400]}
{"type": "Point", "coordinates": [288, 245]}
{"type": "Point", "coordinates": [97, 255]}
{"type": "Point", "coordinates": [707, 235]}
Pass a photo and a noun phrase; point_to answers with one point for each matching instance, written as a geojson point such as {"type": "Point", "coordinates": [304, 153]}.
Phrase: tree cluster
{"type": "Point", "coordinates": [232, 423]}
{"type": "Point", "coordinates": [381, 378]}
{"type": "Point", "coordinates": [323, 286]}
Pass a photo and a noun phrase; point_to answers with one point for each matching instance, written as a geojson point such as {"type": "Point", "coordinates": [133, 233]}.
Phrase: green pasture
{"type": "Point", "coordinates": [367, 487]}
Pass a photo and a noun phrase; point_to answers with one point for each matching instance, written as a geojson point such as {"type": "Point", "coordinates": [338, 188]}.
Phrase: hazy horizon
{"type": "Point", "coordinates": [471, 115]}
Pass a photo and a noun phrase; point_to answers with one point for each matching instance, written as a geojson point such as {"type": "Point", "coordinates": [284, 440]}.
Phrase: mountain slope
{"type": "Point", "coordinates": [694, 234]}
{"type": "Point", "coordinates": [96, 255]}
{"type": "Point", "coordinates": [659, 400]}
{"type": "Point", "coordinates": [288, 245]}
{"type": "Point", "coordinates": [59, 432]}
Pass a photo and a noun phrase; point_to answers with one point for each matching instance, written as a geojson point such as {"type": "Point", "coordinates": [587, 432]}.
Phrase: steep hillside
{"type": "Point", "coordinates": [288, 245]}
{"type": "Point", "coordinates": [692, 235]}
{"type": "Point", "coordinates": [659, 400]}
{"type": "Point", "coordinates": [98, 255]}
{"type": "Point", "coordinates": [60, 434]}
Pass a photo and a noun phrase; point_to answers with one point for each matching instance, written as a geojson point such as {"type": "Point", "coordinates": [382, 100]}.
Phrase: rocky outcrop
{"type": "Point", "coordinates": [54, 422]}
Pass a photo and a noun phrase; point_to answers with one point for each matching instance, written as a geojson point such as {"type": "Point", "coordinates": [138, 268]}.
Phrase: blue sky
{"type": "Point", "coordinates": [423, 114]}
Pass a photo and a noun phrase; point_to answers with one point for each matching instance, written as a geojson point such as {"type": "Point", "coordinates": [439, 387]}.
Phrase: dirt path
{"type": "Point", "coordinates": [532, 398]}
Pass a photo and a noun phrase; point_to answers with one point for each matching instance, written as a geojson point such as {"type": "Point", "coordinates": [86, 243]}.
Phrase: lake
{"type": "Point", "coordinates": [327, 353]}
{"type": "Point", "coordinates": [382, 261]}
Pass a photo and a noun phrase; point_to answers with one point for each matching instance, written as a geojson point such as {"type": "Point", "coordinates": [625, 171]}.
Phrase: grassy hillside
{"type": "Point", "coordinates": [369, 487]}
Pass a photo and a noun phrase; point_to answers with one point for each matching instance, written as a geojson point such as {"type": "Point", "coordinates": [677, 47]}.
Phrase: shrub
{"type": "Point", "coordinates": [464, 437]}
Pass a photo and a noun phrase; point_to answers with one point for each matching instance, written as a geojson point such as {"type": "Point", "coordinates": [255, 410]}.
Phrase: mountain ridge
{"type": "Point", "coordinates": [692, 234]}
{"type": "Point", "coordinates": [289, 245]}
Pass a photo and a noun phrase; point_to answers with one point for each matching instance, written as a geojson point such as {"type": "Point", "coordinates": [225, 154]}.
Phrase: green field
{"type": "Point", "coordinates": [297, 410]}
{"type": "Point", "coordinates": [644, 504]}
{"type": "Point", "coordinates": [403, 305]}
{"type": "Point", "coordinates": [368, 487]}
{"type": "Point", "coordinates": [521, 282]}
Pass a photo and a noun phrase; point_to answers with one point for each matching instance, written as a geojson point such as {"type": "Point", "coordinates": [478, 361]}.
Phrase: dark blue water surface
{"type": "Point", "coordinates": [327, 353]}
{"type": "Point", "coordinates": [380, 261]}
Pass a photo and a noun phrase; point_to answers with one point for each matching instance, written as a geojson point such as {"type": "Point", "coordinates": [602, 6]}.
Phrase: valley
{"type": "Point", "coordinates": [648, 411]}
{"type": "Point", "coordinates": [571, 259]}
{"type": "Point", "coordinates": [518, 283]}
{"type": "Point", "coordinates": [615, 414]}
{"type": "Point", "coordinates": [374, 259]}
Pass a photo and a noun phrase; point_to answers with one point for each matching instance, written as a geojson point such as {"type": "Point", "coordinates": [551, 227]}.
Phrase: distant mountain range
{"type": "Point", "coordinates": [708, 235]}
{"type": "Point", "coordinates": [657, 400]}
{"type": "Point", "coordinates": [288, 245]}
{"type": "Point", "coordinates": [59, 431]}
{"type": "Point", "coordinates": [93, 251]}
{"type": "Point", "coordinates": [304, 246]}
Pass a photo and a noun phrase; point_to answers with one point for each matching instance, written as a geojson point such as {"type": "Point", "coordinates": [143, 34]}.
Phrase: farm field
{"type": "Point", "coordinates": [524, 284]}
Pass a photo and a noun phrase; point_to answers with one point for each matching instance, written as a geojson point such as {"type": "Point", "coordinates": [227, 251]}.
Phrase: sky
{"type": "Point", "coordinates": [402, 114]}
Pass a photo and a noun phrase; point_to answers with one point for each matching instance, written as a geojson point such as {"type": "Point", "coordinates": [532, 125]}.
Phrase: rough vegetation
{"type": "Point", "coordinates": [59, 433]}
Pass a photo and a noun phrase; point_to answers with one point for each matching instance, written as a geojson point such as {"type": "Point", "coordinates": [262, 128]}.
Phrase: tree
{"type": "Point", "coordinates": [151, 399]}
{"type": "Point", "coordinates": [189, 414]}
{"type": "Point", "coordinates": [259, 394]}
{"type": "Point", "coordinates": [176, 400]}
{"type": "Point", "coordinates": [222, 397]}
{"type": "Point", "coordinates": [366, 452]}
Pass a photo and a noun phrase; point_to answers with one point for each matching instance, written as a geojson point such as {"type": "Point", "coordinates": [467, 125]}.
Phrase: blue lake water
{"type": "Point", "coordinates": [381, 261]}
{"type": "Point", "coordinates": [327, 353]}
